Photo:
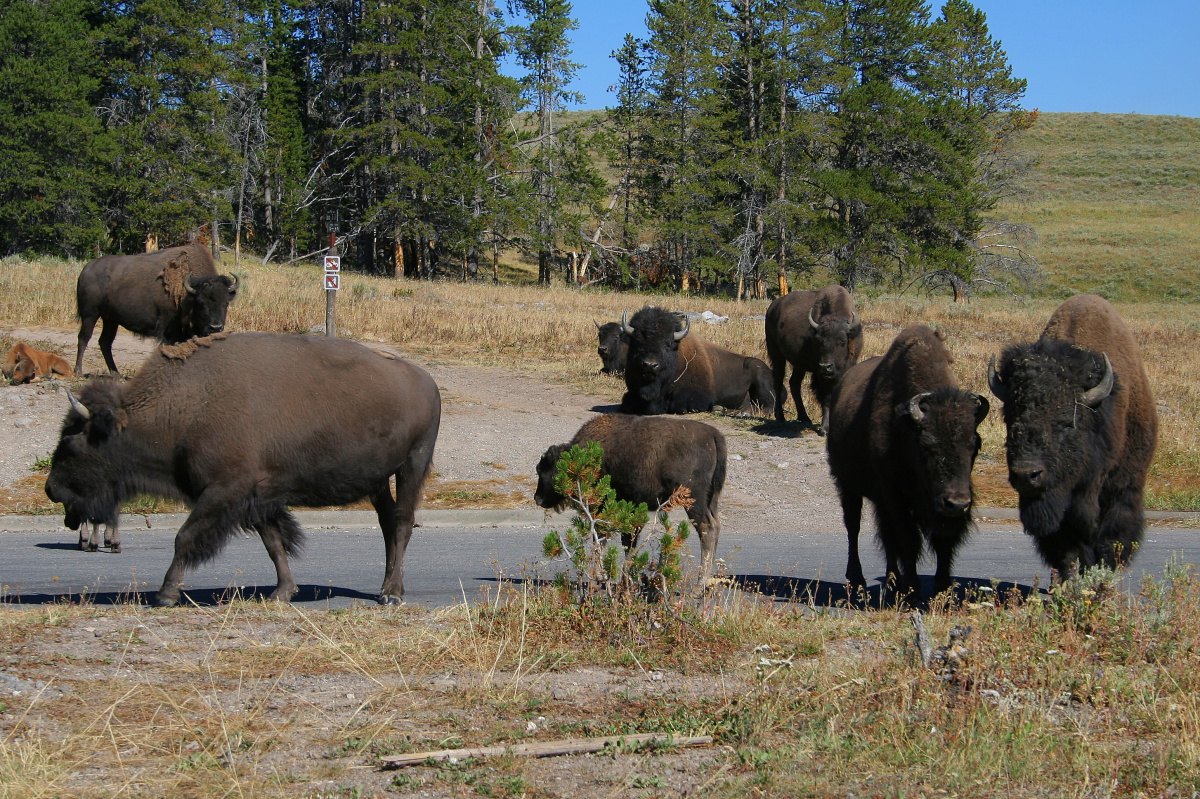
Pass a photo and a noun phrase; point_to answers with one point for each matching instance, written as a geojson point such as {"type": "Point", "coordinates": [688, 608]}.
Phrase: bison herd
{"type": "Point", "coordinates": [900, 431]}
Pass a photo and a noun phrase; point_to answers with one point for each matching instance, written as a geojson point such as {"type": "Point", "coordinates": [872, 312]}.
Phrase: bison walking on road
{"type": "Point", "coordinates": [1082, 428]}
{"type": "Point", "coordinates": [903, 435]}
{"type": "Point", "coordinates": [241, 428]}
{"type": "Point", "coordinates": [170, 294]}
{"type": "Point", "coordinates": [818, 333]}
{"type": "Point", "coordinates": [647, 458]}
{"type": "Point", "coordinates": [670, 371]}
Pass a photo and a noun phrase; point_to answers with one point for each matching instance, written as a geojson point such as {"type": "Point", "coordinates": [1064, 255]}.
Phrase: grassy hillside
{"type": "Point", "coordinates": [1115, 201]}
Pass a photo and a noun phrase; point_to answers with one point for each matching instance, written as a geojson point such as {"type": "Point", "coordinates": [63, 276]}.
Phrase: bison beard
{"type": "Point", "coordinates": [269, 437]}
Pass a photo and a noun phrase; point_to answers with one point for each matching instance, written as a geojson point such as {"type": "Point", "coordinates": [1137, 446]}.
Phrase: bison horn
{"type": "Point", "coordinates": [853, 318]}
{"type": "Point", "coordinates": [679, 334]}
{"type": "Point", "coordinates": [1095, 395]}
{"type": "Point", "coordinates": [998, 388]}
{"type": "Point", "coordinates": [234, 285]}
{"type": "Point", "coordinates": [914, 406]}
{"type": "Point", "coordinates": [597, 324]}
{"type": "Point", "coordinates": [187, 284]}
{"type": "Point", "coordinates": [628, 328]}
{"type": "Point", "coordinates": [79, 407]}
{"type": "Point", "coordinates": [812, 321]}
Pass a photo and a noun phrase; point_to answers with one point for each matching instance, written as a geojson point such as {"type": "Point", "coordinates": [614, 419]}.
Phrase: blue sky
{"type": "Point", "coordinates": [1110, 56]}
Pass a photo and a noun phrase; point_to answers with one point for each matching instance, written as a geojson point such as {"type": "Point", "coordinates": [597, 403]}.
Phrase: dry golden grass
{"type": "Point", "coordinates": [549, 333]}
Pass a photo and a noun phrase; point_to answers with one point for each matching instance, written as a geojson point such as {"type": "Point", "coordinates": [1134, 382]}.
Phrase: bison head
{"type": "Point", "coordinates": [654, 337]}
{"type": "Point", "coordinates": [24, 371]}
{"type": "Point", "coordinates": [207, 301]}
{"type": "Point", "coordinates": [939, 429]}
{"type": "Point", "coordinates": [86, 458]}
{"type": "Point", "coordinates": [547, 495]}
{"type": "Point", "coordinates": [613, 347]}
{"type": "Point", "coordinates": [838, 343]}
{"type": "Point", "coordinates": [1058, 408]}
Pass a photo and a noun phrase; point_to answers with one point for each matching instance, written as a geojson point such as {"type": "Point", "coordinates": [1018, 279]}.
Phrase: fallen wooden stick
{"type": "Point", "coordinates": [571, 746]}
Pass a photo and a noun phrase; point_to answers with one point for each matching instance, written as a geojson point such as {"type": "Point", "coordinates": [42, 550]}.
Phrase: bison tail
{"type": "Point", "coordinates": [718, 479]}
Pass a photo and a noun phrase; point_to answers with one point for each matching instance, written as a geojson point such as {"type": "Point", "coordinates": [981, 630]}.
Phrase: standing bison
{"type": "Point", "coordinates": [647, 458]}
{"type": "Point", "coordinates": [241, 428]}
{"type": "Point", "coordinates": [612, 347]}
{"type": "Point", "coordinates": [170, 294]}
{"type": "Point", "coordinates": [903, 435]}
{"type": "Point", "coordinates": [1082, 427]}
{"type": "Point", "coordinates": [818, 333]}
{"type": "Point", "coordinates": [669, 371]}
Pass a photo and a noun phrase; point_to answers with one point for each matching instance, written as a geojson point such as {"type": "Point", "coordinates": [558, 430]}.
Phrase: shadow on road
{"type": "Point", "coordinates": [204, 597]}
{"type": "Point", "coordinates": [821, 593]}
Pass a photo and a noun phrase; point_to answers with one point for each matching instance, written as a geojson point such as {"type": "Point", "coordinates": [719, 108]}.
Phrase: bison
{"type": "Point", "coordinates": [24, 364]}
{"type": "Point", "coordinates": [647, 458]}
{"type": "Point", "coordinates": [903, 435]}
{"type": "Point", "coordinates": [613, 347]}
{"type": "Point", "coordinates": [818, 333]}
{"type": "Point", "coordinates": [669, 371]}
{"type": "Point", "coordinates": [242, 427]}
{"type": "Point", "coordinates": [1082, 427]}
{"type": "Point", "coordinates": [171, 295]}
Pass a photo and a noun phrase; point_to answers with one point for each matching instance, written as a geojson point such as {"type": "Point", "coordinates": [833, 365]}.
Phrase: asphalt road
{"type": "Point", "coordinates": [462, 554]}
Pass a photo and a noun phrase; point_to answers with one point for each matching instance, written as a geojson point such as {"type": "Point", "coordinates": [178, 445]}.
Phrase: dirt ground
{"type": "Point", "coordinates": [330, 724]}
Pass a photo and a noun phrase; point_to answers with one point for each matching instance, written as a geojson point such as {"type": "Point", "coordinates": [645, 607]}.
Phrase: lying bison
{"type": "Point", "coordinates": [818, 333]}
{"type": "Point", "coordinates": [1082, 426]}
{"type": "Point", "coordinates": [613, 347]}
{"type": "Point", "coordinates": [647, 458]}
{"type": "Point", "coordinates": [903, 435]}
{"type": "Point", "coordinates": [669, 371]}
{"type": "Point", "coordinates": [171, 295]}
{"type": "Point", "coordinates": [241, 428]}
{"type": "Point", "coordinates": [24, 364]}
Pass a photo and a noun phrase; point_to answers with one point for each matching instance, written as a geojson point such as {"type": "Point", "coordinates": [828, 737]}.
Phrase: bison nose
{"type": "Point", "coordinates": [215, 328]}
{"type": "Point", "coordinates": [827, 369]}
{"type": "Point", "coordinates": [650, 367]}
{"type": "Point", "coordinates": [1027, 478]}
{"type": "Point", "coordinates": [953, 505]}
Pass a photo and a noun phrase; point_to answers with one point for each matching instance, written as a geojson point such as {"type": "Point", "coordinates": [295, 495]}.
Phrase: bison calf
{"type": "Point", "coordinates": [24, 364]}
{"type": "Point", "coordinates": [647, 458]}
{"type": "Point", "coordinates": [244, 427]}
{"type": "Point", "coordinates": [903, 435]}
{"type": "Point", "coordinates": [1082, 427]}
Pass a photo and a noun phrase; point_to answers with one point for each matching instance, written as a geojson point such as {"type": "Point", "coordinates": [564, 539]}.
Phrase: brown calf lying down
{"type": "Point", "coordinates": [25, 364]}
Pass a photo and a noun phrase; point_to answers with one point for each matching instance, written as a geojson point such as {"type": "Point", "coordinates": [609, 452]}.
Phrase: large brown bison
{"type": "Point", "coordinates": [612, 347]}
{"type": "Point", "coordinates": [1082, 427]}
{"type": "Point", "coordinates": [170, 294]}
{"type": "Point", "coordinates": [241, 428]}
{"type": "Point", "coordinates": [818, 333]}
{"type": "Point", "coordinates": [670, 371]}
{"type": "Point", "coordinates": [647, 458]}
{"type": "Point", "coordinates": [903, 435]}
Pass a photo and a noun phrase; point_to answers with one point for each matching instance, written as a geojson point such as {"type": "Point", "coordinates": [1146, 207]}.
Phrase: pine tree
{"type": "Point", "coordinates": [51, 144]}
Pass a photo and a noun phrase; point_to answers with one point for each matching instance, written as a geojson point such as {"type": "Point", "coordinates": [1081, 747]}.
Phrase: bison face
{"type": "Point", "coordinates": [81, 472]}
{"type": "Point", "coordinates": [207, 303]}
{"type": "Point", "coordinates": [1058, 412]}
{"type": "Point", "coordinates": [838, 343]}
{"type": "Point", "coordinates": [941, 442]}
{"type": "Point", "coordinates": [654, 338]}
{"type": "Point", "coordinates": [611, 346]}
{"type": "Point", "coordinates": [546, 495]}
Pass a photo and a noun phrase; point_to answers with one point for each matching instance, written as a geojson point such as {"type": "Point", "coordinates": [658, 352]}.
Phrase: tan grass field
{"type": "Point", "coordinates": [549, 333]}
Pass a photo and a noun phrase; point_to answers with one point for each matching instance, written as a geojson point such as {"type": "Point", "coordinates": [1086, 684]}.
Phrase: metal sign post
{"type": "Point", "coordinates": [333, 273]}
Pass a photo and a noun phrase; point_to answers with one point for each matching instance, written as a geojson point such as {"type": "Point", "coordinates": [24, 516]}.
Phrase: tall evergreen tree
{"type": "Point", "coordinates": [51, 143]}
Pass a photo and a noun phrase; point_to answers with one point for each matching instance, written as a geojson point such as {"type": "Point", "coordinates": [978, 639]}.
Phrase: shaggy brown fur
{"type": "Point", "coordinates": [174, 277]}
{"type": "Point", "coordinates": [182, 350]}
{"type": "Point", "coordinates": [1079, 462]}
{"type": "Point", "coordinates": [903, 435]}
{"type": "Point", "coordinates": [24, 364]}
{"type": "Point", "coordinates": [647, 458]}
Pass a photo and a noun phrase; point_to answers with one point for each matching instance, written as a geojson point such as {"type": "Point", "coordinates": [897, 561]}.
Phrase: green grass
{"type": "Point", "coordinates": [1115, 202]}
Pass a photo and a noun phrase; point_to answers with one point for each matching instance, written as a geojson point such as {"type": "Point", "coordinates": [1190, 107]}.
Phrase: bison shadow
{"type": "Point", "coordinates": [605, 408]}
{"type": "Point", "coordinates": [204, 597]}
{"type": "Point", "coordinates": [789, 429]}
{"type": "Point", "coordinates": [822, 593]}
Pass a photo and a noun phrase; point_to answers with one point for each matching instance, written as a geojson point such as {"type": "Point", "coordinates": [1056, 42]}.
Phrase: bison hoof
{"type": "Point", "coordinates": [282, 594]}
{"type": "Point", "coordinates": [390, 599]}
{"type": "Point", "coordinates": [116, 549]}
{"type": "Point", "coordinates": [163, 601]}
